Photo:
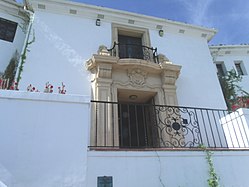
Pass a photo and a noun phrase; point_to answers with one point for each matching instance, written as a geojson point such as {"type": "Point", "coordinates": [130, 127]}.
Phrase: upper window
{"type": "Point", "coordinates": [221, 69]}
{"type": "Point", "coordinates": [7, 30]}
{"type": "Point", "coordinates": [239, 67]}
{"type": "Point", "coordinates": [133, 42]}
{"type": "Point", "coordinates": [130, 47]}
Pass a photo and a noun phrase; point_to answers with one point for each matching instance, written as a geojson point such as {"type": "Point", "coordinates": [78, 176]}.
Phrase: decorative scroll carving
{"type": "Point", "coordinates": [103, 50]}
{"type": "Point", "coordinates": [163, 59]}
{"type": "Point", "coordinates": [137, 77]}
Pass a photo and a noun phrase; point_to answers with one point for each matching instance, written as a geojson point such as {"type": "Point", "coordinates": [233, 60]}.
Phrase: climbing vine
{"type": "Point", "coordinates": [213, 180]}
{"type": "Point", "coordinates": [30, 14]}
{"type": "Point", "coordinates": [24, 56]}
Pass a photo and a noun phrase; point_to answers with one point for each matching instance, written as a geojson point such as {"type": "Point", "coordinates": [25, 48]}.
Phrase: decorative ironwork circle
{"type": "Point", "coordinates": [176, 126]}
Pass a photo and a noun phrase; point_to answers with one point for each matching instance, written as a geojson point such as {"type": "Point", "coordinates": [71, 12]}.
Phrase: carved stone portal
{"type": "Point", "coordinates": [111, 75]}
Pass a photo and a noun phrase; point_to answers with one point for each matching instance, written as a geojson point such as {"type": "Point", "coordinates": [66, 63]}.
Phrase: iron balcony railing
{"type": "Point", "coordinates": [134, 51]}
{"type": "Point", "coordinates": [131, 125]}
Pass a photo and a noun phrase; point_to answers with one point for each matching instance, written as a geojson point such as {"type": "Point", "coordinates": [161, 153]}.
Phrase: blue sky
{"type": "Point", "coordinates": [229, 17]}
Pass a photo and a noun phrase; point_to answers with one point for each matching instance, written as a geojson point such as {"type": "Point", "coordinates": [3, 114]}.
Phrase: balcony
{"type": "Point", "coordinates": [144, 126]}
{"type": "Point", "coordinates": [134, 51]}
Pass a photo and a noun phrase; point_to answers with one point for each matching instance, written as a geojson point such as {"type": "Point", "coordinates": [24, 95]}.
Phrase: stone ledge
{"type": "Point", "coordinates": [40, 96]}
{"type": "Point", "coordinates": [167, 153]}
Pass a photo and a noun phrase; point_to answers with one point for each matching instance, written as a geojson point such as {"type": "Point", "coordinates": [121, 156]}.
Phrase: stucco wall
{"type": "Point", "coordinates": [9, 48]}
{"type": "Point", "coordinates": [61, 50]}
{"type": "Point", "coordinates": [168, 168]}
{"type": "Point", "coordinates": [43, 139]}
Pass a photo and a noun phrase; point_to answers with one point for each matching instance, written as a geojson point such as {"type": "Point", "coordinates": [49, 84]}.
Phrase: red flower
{"type": "Point", "coordinates": [247, 101]}
{"type": "Point", "coordinates": [234, 107]}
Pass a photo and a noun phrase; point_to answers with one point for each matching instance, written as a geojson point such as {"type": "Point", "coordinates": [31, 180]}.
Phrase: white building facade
{"type": "Point", "coordinates": [142, 97]}
{"type": "Point", "coordinates": [71, 54]}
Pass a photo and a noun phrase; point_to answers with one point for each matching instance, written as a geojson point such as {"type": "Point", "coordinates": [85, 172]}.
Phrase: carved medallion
{"type": "Point", "coordinates": [137, 77]}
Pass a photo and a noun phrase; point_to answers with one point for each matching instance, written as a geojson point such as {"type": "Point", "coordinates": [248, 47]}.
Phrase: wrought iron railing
{"type": "Point", "coordinates": [132, 125]}
{"type": "Point", "coordinates": [134, 51]}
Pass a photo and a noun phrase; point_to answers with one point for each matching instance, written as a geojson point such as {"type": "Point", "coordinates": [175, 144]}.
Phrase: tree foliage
{"type": "Point", "coordinates": [10, 70]}
{"type": "Point", "coordinates": [234, 95]}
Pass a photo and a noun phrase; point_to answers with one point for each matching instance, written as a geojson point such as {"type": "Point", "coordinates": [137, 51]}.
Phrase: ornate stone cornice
{"type": "Point", "coordinates": [100, 59]}
{"type": "Point", "coordinates": [103, 65]}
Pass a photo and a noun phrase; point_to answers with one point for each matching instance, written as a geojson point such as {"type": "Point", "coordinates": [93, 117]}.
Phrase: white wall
{"type": "Point", "coordinates": [61, 50]}
{"type": "Point", "coordinates": [9, 48]}
{"type": "Point", "coordinates": [43, 139]}
{"type": "Point", "coordinates": [173, 168]}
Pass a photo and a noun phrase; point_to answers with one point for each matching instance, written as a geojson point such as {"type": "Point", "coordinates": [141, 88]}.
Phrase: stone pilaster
{"type": "Point", "coordinates": [103, 122]}
{"type": "Point", "coordinates": [169, 76]}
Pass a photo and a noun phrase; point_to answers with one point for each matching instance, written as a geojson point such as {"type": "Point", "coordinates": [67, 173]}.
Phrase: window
{"type": "Point", "coordinates": [130, 47]}
{"type": "Point", "coordinates": [239, 68]}
{"type": "Point", "coordinates": [7, 30]}
{"type": "Point", "coordinates": [220, 69]}
{"type": "Point", "coordinates": [132, 41]}
{"type": "Point", "coordinates": [105, 181]}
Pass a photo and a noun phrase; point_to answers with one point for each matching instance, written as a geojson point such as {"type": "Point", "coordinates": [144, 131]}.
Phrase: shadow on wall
{"type": "Point", "coordinates": [5, 177]}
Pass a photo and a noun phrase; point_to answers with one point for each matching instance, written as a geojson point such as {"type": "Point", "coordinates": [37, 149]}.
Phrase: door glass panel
{"type": "Point", "coordinates": [130, 47]}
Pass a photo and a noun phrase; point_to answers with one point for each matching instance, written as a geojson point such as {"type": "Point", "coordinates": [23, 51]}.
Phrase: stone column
{"type": "Point", "coordinates": [104, 124]}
